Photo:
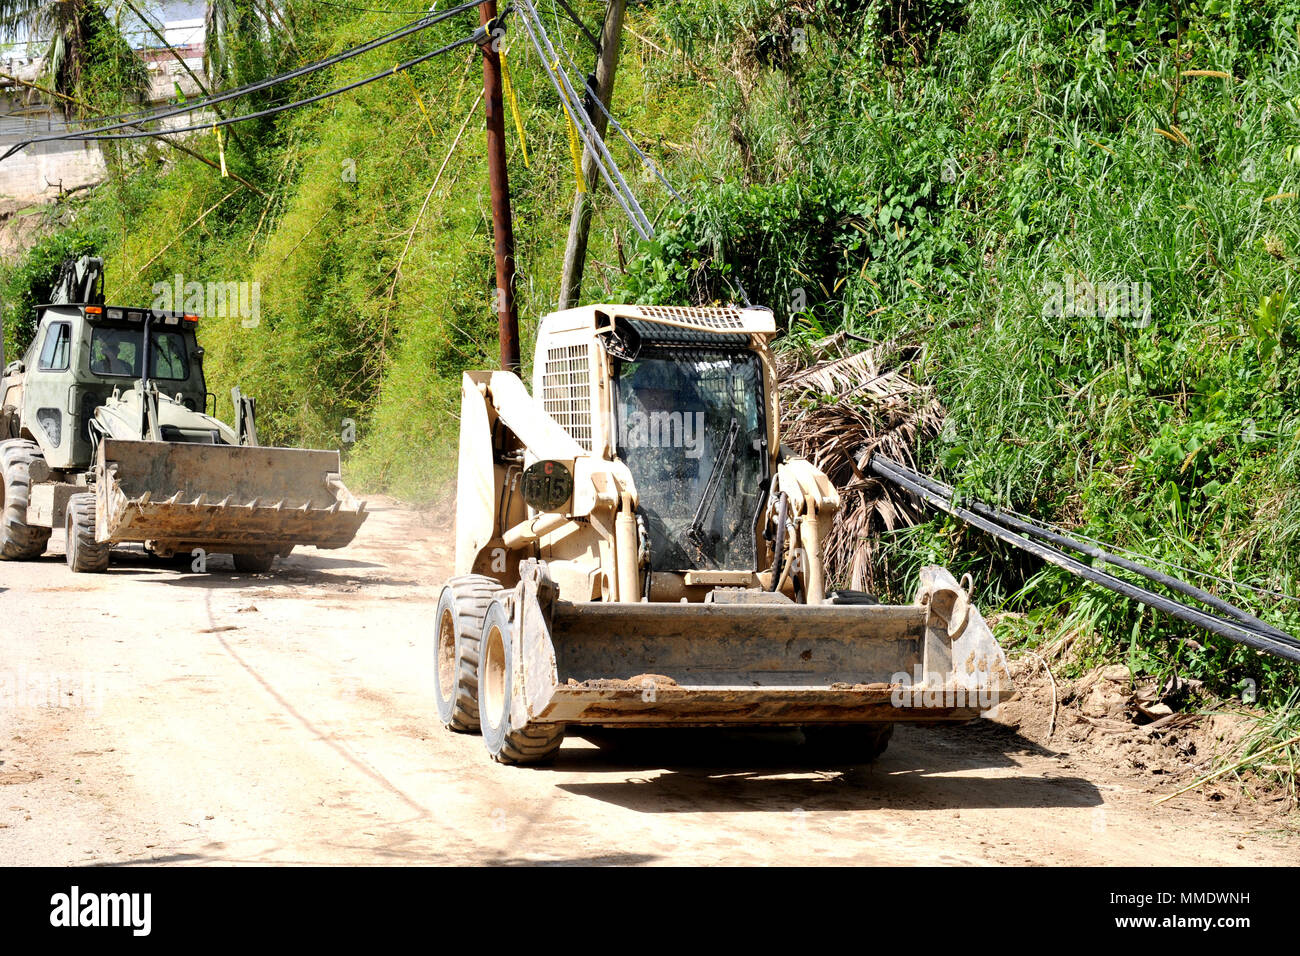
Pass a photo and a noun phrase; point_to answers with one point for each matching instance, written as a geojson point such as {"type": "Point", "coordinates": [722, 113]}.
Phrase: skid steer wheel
{"type": "Point", "coordinates": [18, 540]}
{"type": "Point", "coordinates": [84, 553]}
{"type": "Point", "coordinates": [461, 608]}
{"type": "Point", "coordinates": [506, 743]}
{"type": "Point", "coordinates": [858, 743]}
{"type": "Point", "coordinates": [258, 563]}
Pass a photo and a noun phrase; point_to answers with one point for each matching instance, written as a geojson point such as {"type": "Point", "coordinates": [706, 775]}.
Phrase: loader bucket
{"type": "Point", "coordinates": [223, 498]}
{"type": "Point", "coordinates": [771, 665]}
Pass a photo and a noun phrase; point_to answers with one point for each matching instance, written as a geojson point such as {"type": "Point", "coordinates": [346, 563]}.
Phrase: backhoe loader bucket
{"type": "Point", "coordinates": [775, 664]}
{"type": "Point", "coordinates": [224, 498]}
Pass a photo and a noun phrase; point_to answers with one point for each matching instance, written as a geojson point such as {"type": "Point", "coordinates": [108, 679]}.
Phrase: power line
{"type": "Point", "coordinates": [604, 162]}
{"type": "Point", "coordinates": [423, 23]}
{"type": "Point", "coordinates": [1203, 575]}
{"type": "Point", "coordinates": [609, 117]}
{"type": "Point", "coordinates": [307, 101]}
{"type": "Point", "coordinates": [645, 159]}
{"type": "Point", "coordinates": [1236, 626]}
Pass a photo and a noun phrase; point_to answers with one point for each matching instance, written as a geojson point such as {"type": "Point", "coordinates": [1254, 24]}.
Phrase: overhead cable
{"type": "Point", "coordinates": [248, 89]}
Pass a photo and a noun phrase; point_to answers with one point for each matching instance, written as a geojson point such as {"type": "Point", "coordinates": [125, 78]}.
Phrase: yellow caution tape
{"type": "Point", "coordinates": [420, 103]}
{"type": "Point", "coordinates": [221, 150]}
{"type": "Point", "coordinates": [575, 151]}
{"type": "Point", "coordinates": [509, 89]}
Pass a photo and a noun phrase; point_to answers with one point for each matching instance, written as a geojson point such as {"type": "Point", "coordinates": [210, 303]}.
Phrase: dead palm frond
{"type": "Point", "coordinates": [837, 413]}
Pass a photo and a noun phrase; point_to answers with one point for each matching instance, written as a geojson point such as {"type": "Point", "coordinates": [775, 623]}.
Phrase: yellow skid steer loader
{"type": "Point", "coordinates": [634, 547]}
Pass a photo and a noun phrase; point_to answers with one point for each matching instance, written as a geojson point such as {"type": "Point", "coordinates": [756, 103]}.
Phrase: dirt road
{"type": "Point", "coordinates": [288, 718]}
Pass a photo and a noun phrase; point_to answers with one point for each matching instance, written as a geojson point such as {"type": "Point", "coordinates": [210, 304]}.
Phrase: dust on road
{"type": "Point", "coordinates": [154, 715]}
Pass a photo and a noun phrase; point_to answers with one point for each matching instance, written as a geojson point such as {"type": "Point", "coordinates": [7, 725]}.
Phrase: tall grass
{"type": "Point", "coordinates": [940, 202]}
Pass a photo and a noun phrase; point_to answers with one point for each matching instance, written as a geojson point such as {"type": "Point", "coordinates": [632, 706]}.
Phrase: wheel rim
{"type": "Point", "coordinates": [446, 654]}
{"type": "Point", "coordinates": [494, 673]}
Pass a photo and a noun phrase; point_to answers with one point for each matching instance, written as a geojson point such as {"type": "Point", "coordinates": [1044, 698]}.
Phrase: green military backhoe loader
{"type": "Point", "coordinates": [105, 433]}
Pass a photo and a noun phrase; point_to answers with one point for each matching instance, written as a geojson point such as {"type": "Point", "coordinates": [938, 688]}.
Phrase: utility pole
{"type": "Point", "coordinates": [575, 250]}
{"type": "Point", "coordinates": [503, 234]}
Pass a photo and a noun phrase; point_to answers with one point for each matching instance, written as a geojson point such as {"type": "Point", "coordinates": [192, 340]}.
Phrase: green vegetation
{"type": "Point", "coordinates": [963, 175]}
{"type": "Point", "coordinates": [969, 199]}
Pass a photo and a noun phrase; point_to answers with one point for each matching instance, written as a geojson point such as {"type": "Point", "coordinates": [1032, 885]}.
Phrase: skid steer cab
{"type": "Point", "coordinates": [635, 548]}
{"type": "Point", "coordinates": [107, 432]}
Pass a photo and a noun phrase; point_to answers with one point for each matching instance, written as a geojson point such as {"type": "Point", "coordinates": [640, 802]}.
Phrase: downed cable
{"type": "Point", "coordinates": [1236, 626]}
{"type": "Point", "coordinates": [586, 129]}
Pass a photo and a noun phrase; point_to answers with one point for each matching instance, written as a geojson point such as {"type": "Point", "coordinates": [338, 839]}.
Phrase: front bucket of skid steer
{"type": "Point", "coordinates": [765, 665]}
{"type": "Point", "coordinates": [224, 498]}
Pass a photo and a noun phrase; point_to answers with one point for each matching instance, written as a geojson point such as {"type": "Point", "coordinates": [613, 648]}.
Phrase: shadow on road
{"type": "Point", "coordinates": [159, 860]}
{"type": "Point", "coordinates": [218, 580]}
{"type": "Point", "coordinates": [221, 575]}
{"type": "Point", "coordinates": [427, 858]}
{"type": "Point", "coordinates": [297, 568]}
{"type": "Point", "coordinates": [603, 859]}
{"type": "Point", "coordinates": [728, 771]}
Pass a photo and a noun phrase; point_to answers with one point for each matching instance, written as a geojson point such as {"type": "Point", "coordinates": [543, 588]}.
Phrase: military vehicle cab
{"type": "Point", "coordinates": [81, 357]}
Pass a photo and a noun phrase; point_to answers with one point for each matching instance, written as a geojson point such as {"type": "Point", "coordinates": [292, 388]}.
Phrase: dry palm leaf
{"type": "Point", "coordinates": [836, 413]}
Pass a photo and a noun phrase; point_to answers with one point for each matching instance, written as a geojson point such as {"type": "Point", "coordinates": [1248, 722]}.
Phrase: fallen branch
{"type": "Point", "coordinates": [203, 159]}
{"type": "Point", "coordinates": [203, 215]}
{"type": "Point", "coordinates": [837, 413]}
{"type": "Point", "coordinates": [410, 237]}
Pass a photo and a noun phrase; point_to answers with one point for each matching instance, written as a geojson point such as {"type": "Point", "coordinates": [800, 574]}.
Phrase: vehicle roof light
{"type": "Point", "coordinates": [114, 313]}
{"type": "Point", "coordinates": [93, 310]}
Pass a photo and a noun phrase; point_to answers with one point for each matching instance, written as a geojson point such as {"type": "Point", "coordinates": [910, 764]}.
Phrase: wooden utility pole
{"type": "Point", "coordinates": [503, 234]}
{"type": "Point", "coordinates": [575, 250]}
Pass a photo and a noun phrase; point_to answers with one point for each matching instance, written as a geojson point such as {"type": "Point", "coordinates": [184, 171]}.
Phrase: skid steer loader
{"type": "Point", "coordinates": [104, 434]}
{"type": "Point", "coordinates": [634, 547]}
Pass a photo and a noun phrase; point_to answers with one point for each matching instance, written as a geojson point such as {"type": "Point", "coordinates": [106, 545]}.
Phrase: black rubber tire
{"type": "Point", "coordinates": [19, 541]}
{"type": "Point", "coordinates": [506, 743]}
{"type": "Point", "coordinates": [258, 563]}
{"type": "Point", "coordinates": [459, 624]}
{"type": "Point", "coordinates": [85, 555]}
{"type": "Point", "coordinates": [855, 744]}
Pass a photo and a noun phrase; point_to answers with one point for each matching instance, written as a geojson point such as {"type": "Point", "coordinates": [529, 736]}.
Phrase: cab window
{"type": "Point", "coordinates": [56, 349]}
{"type": "Point", "coordinates": [117, 352]}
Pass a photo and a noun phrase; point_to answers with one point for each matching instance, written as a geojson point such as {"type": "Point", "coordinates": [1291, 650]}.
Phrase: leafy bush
{"type": "Point", "coordinates": [31, 282]}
